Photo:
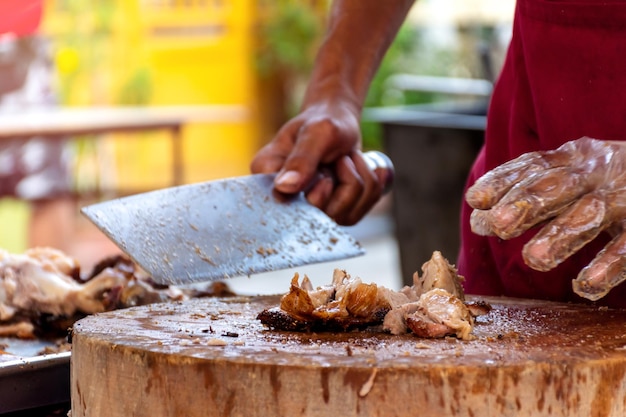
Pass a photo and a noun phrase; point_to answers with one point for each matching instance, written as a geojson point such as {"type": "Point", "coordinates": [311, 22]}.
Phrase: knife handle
{"type": "Point", "coordinates": [383, 167]}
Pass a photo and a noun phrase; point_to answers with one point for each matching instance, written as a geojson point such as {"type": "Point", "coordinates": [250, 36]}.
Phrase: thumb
{"type": "Point", "coordinates": [294, 172]}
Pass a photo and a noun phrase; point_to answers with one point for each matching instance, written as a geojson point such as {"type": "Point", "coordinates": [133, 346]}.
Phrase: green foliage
{"type": "Point", "coordinates": [400, 58]}
{"type": "Point", "coordinates": [397, 59]}
{"type": "Point", "coordinates": [289, 39]}
{"type": "Point", "coordinates": [137, 90]}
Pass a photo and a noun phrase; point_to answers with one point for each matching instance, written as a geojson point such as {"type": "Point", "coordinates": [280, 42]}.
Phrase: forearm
{"type": "Point", "coordinates": [359, 33]}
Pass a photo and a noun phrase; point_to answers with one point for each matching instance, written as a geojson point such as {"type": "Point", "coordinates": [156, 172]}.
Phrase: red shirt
{"type": "Point", "coordinates": [20, 17]}
{"type": "Point", "coordinates": [564, 78]}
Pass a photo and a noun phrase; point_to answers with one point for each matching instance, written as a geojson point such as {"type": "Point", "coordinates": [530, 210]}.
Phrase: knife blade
{"type": "Point", "coordinates": [220, 229]}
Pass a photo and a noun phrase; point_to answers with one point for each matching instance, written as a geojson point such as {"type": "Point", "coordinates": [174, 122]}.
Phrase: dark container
{"type": "Point", "coordinates": [432, 148]}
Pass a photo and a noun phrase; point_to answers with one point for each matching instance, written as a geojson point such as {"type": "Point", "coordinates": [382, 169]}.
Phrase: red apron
{"type": "Point", "coordinates": [564, 77]}
{"type": "Point", "coordinates": [20, 17]}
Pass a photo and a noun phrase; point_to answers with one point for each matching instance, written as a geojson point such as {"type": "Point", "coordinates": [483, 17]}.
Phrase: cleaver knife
{"type": "Point", "coordinates": [220, 229]}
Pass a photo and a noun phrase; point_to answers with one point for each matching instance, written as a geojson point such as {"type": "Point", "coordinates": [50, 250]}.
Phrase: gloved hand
{"type": "Point", "coordinates": [318, 152]}
{"type": "Point", "coordinates": [574, 193]}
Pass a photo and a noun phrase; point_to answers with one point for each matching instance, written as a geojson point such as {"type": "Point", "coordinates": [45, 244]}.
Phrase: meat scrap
{"type": "Point", "coordinates": [41, 290]}
{"type": "Point", "coordinates": [439, 313]}
{"type": "Point", "coordinates": [434, 306]}
{"type": "Point", "coordinates": [346, 304]}
{"type": "Point", "coordinates": [7, 356]}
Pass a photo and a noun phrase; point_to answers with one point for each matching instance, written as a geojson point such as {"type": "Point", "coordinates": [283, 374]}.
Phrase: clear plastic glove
{"type": "Point", "coordinates": [318, 152]}
{"type": "Point", "coordinates": [574, 192]}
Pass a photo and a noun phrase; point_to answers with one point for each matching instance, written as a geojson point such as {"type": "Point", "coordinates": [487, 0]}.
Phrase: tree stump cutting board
{"type": "Point", "coordinates": [211, 357]}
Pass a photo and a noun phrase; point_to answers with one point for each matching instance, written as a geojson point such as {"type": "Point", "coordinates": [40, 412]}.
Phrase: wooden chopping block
{"type": "Point", "coordinates": [211, 357]}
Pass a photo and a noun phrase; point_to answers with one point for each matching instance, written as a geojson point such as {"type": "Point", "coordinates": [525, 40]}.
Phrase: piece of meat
{"type": "Point", "coordinates": [38, 281]}
{"type": "Point", "coordinates": [362, 301]}
{"type": "Point", "coordinates": [421, 324]}
{"type": "Point", "coordinates": [41, 281]}
{"type": "Point", "coordinates": [139, 288]}
{"type": "Point", "coordinates": [278, 319]}
{"type": "Point", "coordinates": [439, 314]}
{"type": "Point", "coordinates": [6, 356]}
{"type": "Point", "coordinates": [20, 329]}
{"type": "Point", "coordinates": [41, 290]}
{"type": "Point", "coordinates": [395, 320]}
{"type": "Point", "coordinates": [207, 289]}
{"type": "Point", "coordinates": [478, 308]}
{"type": "Point", "coordinates": [297, 301]}
{"type": "Point", "coordinates": [438, 273]}
{"type": "Point", "coordinates": [55, 260]}
{"type": "Point", "coordinates": [120, 262]}
{"type": "Point", "coordinates": [423, 327]}
{"type": "Point", "coordinates": [432, 307]}
{"type": "Point", "coordinates": [346, 304]}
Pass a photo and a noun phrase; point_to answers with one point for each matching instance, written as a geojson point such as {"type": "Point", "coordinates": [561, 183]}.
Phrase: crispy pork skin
{"type": "Point", "coordinates": [432, 307]}
{"type": "Point", "coordinates": [346, 304]}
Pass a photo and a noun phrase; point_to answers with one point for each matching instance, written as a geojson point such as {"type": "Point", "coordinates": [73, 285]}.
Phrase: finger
{"type": "Point", "coordinates": [357, 190]}
{"type": "Point", "coordinates": [489, 188]}
{"type": "Point", "coordinates": [315, 144]}
{"type": "Point", "coordinates": [567, 233]}
{"type": "Point", "coordinates": [348, 188]}
{"type": "Point", "coordinates": [492, 186]}
{"type": "Point", "coordinates": [373, 181]}
{"type": "Point", "coordinates": [480, 222]}
{"type": "Point", "coordinates": [536, 199]}
{"type": "Point", "coordinates": [605, 272]}
{"type": "Point", "coordinates": [320, 193]}
{"type": "Point", "coordinates": [355, 187]}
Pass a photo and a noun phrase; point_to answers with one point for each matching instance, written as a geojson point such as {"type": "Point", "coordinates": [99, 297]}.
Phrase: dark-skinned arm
{"type": "Point", "coordinates": [326, 133]}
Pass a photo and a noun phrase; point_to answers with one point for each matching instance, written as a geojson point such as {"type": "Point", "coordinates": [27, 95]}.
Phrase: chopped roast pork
{"type": "Point", "coordinates": [432, 307]}
{"type": "Point", "coordinates": [345, 304]}
{"type": "Point", "coordinates": [40, 280]}
{"type": "Point", "coordinates": [439, 314]}
{"type": "Point", "coordinates": [46, 283]}
{"type": "Point", "coordinates": [438, 273]}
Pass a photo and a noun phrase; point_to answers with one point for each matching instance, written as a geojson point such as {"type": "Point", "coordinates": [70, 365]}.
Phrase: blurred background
{"type": "Point", "coordinates": [233, 71]}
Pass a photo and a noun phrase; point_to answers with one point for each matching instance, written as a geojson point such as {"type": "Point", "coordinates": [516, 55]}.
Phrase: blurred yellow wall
{"type": "Point", "coordinates": [162, 52]}
{"type": "Point", "coordinates": [14, 216]}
